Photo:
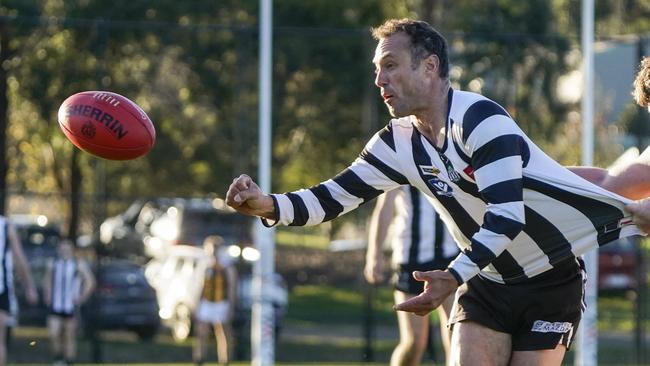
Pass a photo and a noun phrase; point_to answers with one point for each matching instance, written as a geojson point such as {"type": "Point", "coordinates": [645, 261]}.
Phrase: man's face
{"type": "Point", "coordinates": [402, 87]}
{"type": "Point", "coordinates": [65, 250]}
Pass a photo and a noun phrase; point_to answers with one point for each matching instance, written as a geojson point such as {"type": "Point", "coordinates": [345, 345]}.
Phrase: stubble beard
{"type": "Point", "coordinates": [397, 112]}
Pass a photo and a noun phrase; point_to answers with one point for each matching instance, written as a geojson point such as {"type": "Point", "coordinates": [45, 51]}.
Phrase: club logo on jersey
{"type": "Point", "coordinates": [543, 326]}
{"type": "Point", "coordinates": [440, 188]}
{"type": "Point", "coordinates": [453, 175]}
{"type": "Point", "coordinates": [429, 170]}
{"type": "Point", "coordinates": [451, 172]}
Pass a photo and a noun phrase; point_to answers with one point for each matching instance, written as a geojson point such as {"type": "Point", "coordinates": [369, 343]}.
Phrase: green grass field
{"type": "Point", "coordinates": [323, 327]}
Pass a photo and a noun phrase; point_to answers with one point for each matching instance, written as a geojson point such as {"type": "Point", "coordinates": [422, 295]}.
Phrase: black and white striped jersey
{"type": "Point", "coordinates": [514, 211]}
{"type": "Point", "coordinates": [419, 235]}
{"type": "Point", "coordinates": [66, 285]}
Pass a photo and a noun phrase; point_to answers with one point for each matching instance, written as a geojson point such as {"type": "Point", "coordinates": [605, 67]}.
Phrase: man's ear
{"type": "Point", "coordinates": [432, 64]}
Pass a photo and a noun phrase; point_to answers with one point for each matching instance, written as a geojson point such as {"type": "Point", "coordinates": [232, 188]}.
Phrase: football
{"type": "Point", "coordinates": [107, 125]}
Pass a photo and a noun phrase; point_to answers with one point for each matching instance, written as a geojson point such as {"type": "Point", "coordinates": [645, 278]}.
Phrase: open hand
{"type": "Point", "coordinates": [438, 286]}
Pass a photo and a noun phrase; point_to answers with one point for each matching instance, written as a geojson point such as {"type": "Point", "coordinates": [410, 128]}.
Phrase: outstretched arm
{"type": "Point", "coordinates": [375, 171]}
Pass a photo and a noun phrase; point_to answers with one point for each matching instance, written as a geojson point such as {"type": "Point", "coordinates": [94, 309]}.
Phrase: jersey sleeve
{"type": "Point", "coordinates": [498, 151]}
{"type": "Point", "coordinates": [375, 171]}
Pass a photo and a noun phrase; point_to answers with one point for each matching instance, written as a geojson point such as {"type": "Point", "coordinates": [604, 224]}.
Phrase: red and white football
{"type": "Point", "coordinates": [107, 125]}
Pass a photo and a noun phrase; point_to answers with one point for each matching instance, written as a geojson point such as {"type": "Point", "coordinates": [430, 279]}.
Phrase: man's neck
{"type": "Point", "coordinates": [431, 122]}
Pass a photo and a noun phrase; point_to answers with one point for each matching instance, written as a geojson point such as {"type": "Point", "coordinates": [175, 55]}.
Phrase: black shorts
{"type": "Point", "coordinates": [403, 278]}
{"type": "Point", "coordinates": [5, 304]}
{"type": "Point", "coordinates": [540, 313]}
{"type": "Point", "coordinates": [61, 314]}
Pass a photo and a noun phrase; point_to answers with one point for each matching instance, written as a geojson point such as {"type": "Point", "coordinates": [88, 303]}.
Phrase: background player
{"type": "Point", "coordinates": [11, 252]}
{"type": "Point", "coordinates": [217, 303]}
{"type": "Point", "coordinates": [420, 242]}
{"type": "Point", "coordinates": [67, 284]}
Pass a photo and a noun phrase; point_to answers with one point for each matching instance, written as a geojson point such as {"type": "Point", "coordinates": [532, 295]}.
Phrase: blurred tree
{"type": "Point", "coordinates": [326, 105]}
{"type": "Point", "coordinates": [8, 9]}
{"type": "Point", "coordinates": [183, 77]}
{"type": "Point", "coordinates": [4, 112]}
{"type": "Point", "coordinates": [193, 67]}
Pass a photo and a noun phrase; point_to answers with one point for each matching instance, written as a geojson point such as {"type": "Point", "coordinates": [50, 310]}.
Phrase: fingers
{"type": "Point", "coordinates": [425, 276]}
{"type": "Point", "coordinates": [242, 182]}
{"type": "Point", "coordinates": [238, 185]}
{"type": "Point", "coordinates": [420, 276]}
{"type": "Point", "coordinates": [418, 305]}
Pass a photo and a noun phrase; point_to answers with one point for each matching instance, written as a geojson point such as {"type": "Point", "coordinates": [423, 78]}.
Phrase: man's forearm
{"type": "Point", "coordinates": [630, 181]}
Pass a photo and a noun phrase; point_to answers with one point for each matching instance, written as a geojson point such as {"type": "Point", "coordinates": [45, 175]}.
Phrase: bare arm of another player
{"type": "Point", "coordinates": [22, 266]}
{"type": "Point", "coordinates": [641, 214]}
{"type": "Point", "coordinates": [88, 281]}
{"type": "Point", "coordinates": [380, 220]}
{"type": "Point", "coordinates": [246, 197]}
{"type": "Point", "coordinates": [630, 180]}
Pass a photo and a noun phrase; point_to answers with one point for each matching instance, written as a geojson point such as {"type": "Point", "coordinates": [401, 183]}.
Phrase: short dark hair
{"type": "Point", "coordinates": [425, 40]}
{"type": "Point", "coordinates": [641, 91]}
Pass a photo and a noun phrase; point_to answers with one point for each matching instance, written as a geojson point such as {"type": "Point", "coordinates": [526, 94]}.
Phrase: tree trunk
{"type": "Point", "coordinates": [75, 195]}
{"type": "Point", "coordinates": [4, 114]}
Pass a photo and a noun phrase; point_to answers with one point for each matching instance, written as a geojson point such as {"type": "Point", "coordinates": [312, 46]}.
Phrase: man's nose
{"type": "Point", "coordinates": [380, 79]}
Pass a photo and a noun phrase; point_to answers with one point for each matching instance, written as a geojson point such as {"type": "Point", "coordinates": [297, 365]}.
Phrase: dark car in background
{"type": "Point", "coordinates": [618, 265]}
{"type": "Point", "coordinates": [123, 299]}
{"type": "Point", "coordinates": [149, 227]}
{"type": "Point", "coordinates": [122, 235]}
{"type": "Point", "coordinates": [39, 238]}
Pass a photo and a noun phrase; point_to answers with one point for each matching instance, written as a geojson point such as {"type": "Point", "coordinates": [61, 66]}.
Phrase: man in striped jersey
{"type": "Point", "coordinates": [420, 242]}
{"type": "Point", "coordinates": [11, 251]}
{"type": "Point", "coordinates": [67, 284]}
{"type": "Point", "coordinates": [520, 219]}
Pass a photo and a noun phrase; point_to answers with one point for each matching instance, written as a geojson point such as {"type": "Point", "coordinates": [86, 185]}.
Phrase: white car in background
{"type": "Point", "coordinates": [178, 281]}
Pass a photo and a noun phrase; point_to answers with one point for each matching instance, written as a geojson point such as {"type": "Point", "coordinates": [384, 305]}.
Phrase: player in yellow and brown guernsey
{"type": "Point", "coordinates": [216, 305]}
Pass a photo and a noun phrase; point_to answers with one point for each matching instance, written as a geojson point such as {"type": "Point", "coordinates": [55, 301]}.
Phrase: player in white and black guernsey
{"type": "Point", "coordinates": [67, 284]}
{"type": "Point", "coordinates": [11, 253]}
{"type": "Point", "coordinates": [419, 242]}
{"type": "Point", "coordinates": [520, 219]}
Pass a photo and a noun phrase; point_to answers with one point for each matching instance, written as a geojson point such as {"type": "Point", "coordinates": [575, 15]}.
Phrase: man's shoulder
{"type": "Point", "coordinates": [395, 128]}
{"type": "Point", "coordinates": [469, 110]}
{"type": "Point", "coordinates": [464, 101]}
